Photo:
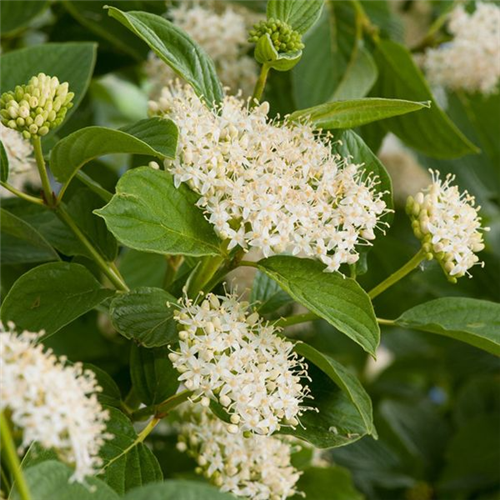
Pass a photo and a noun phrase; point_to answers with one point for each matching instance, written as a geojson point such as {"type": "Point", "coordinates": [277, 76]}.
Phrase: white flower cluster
{"type": "Point", "coordinates": [471, 61]}
{"type": "Point", "coordinates": [448, 224]}
{"type": "Point", "coordinates": [22, 169]}
{"type": "Point", "coordinates": [53, 403]}
{"type": "Point", "coordinates": [254, 467]}
{"type": "Point", "coordinates": [275, 187]}
{"type": "Point", "coordinates": [222, 35]}
{"type": "Point", "coordinates": [234, 358]}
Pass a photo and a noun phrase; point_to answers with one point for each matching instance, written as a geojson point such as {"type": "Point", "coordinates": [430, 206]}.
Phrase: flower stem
{"type": "Point", "coordinates": [160, 411]}
{"type": "Point", "coordinates": [115, 278]}
{"type": "Point", "coordinates": [399, 274]}
{"type": "Point", "coordinates": [22, 195]}
{"type": "Point", "coordinates": [260, 85]}
{"type": "Point", "coordinates": [9, 449]}
{"type": "Point", "coordinates": [42, 170]}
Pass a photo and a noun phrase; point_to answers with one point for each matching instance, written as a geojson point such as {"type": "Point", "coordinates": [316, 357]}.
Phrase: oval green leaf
{"type": "Point", "coordinates": [18, 15]}
{"type": "Point", "coordinates": [22, 243]}
{"type": "Point", "coordinates": [344, 379]}
{"type": "Point", "coordinates": [50, 479]}
{"type": "Point", "coordinates": [340, 301]}
{"type": "Point", "coordinates": [153, 137]}
{"type": "Point", "coordinates": [301, 15]}
{"type": "Point", "coordinates": [126, 464]}
{"type": "Point", "coordinates": [476, 322]}
{"type": "Point", "coordinates": [145, 315]}
{"type": "Point", "coordinates": [153, 376]}
{"type": "Point", "coordinates": [173, 46]}
{"type": "Point", "coordinates": [178, 490]}
{"type": "Point", "coordinates": [356, 112]}
{"type": "Point", "coordinates": [430, 131]}
{"type": "Point", "coordinates": [150, 214]}
{"type": "Point", "coordinates": [50, 296]}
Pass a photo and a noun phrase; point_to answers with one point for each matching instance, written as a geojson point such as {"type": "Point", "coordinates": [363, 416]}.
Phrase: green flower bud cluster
{"type": "Point", "coordinates": [37, 107]}
{"type": "Point", "coordinates": [284, 38]}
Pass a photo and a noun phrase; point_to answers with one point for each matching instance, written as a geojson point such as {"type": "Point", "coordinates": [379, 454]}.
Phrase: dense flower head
{"type": "Point", "coordinates": [254, 467]}
{"type": "Point", "coordinates": [54, 403]}
{"type": "Point", "coordinates": [471, 60]}
{"type": "Point", "coordinates": [448, 224]}
{"type": "Point", "coordinates": [19, 150]}
{"type": "Point", "coordinates": [233, 357]}
{"type": "Point", "coordinates": [284, 38]}
{"type": "Point", "coordinates": [37, 107]}
{"type": "Point", "coordinates": [274, 187]}
{"type": "Point", "coordinates": [223, 36]}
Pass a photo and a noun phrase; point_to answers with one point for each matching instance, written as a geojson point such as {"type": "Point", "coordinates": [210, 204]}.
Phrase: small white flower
{"type": "Point", "coordinates": [471, 61]}
{"type": "Point", "coordinates": [254, 467]}
{"type": "Point", "coordinates": [274, 187]}
{"type": "Point", "coordinates": [22, 167]}
{"type": "Point", "coordinates": [448, 224]}
{"type": "Point", "coordinates": [223, 35]}
{"type": "Point", "coordinates": [55, 404]}
{"type": "Point", "coordinates": [234, 357]}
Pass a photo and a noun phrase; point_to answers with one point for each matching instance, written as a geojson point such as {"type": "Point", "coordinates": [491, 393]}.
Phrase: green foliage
{"type": "Point", "coordinates": [102, 273]}
{"type": "Point", "coordinates": [50, 479]}
{"type": "Point", "coordinates": [18, 15]}
{"type": "Point", "coordinates": [351, 114]}
{"type": "Point", "coordinates": [52, 295]}
{"type": "Point", "coordinates": [153, 137]}
{"type": "Point", "coordinates": [301, 15]}
{"type": "Point", "coordinates": [145, 315]}
{"type": "Point", "coordinates": [430, 131]}
{"type": "Point", "coordinates": [150, 214]}
{"type": "Point", "coordinates": [469, 320]}
{"type": "Point", "coordinates": [127, 464]}
{"type": "Point", "coordinates": [176, 49]}
{"type": "Point", "coordinates": [338, 300]}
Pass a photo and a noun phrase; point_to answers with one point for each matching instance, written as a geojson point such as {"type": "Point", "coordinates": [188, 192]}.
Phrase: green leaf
{"type": "Point", "coordinates": [340, 301]}
{"type": "Point", "coordinates": [350, 114]}
{"type": "Point", "coordinates": [50, 296]}
{"type": "Point", "coordinates": [474, 321]}
{"type": "Point", "coordinates": [267, 295]}
{"type": "Point", "coordinates": [22, 243]}
{"type": "Point", "coordinates": [17, 15]}
{"type": "Point", "coordinates": [359, 77]}
{"type": "Point", "coordinates": [145, 315]}
{"type": "Point", "coordinates": [126, 465]}
{"type": "Point", "coordinates": [430, 131]}
{"type": "Point", "coordinates": [153, 377]}
{"type": "Point", "coordinates": [344, 379]}
{"type": "Point", "coordinates": [142, 269]}
{"type": "Point", "coordinates": [110, 394]}
{"type": "Point", "coordinates": [334, 64]}
{"type": "Point", "coordinates": [50, 480]}
{"type": "Point", "coordinates": [173, 46]}
{"type": "Point", "coordinates": [4, 164]}
{"type": "Point", "coordinates": [148, 213]}
{"type": "Point", "coordinates": [178, 490]}
{"type": "Point", "coordinates": [93, 16]}
{"type": "Point", "coordinates": [327, 483]}
{"type": "Point", "coordinates": [336, 422]}
{"type": "Point", "coordinates": [301, 15]}
{"type": "Point", "coordinates": [71, 62]}
{"type": "Point", "coordinates": [153, 137]}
